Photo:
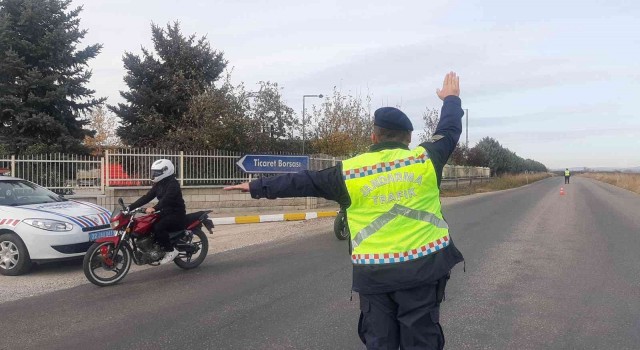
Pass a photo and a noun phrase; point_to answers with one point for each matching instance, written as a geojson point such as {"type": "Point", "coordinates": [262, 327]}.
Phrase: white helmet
{"type": "Point", "coordinates": [161, 169]}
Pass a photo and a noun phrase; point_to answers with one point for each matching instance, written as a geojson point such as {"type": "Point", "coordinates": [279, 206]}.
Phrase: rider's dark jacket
{"type": "Point", "coordinates": [169, 196]}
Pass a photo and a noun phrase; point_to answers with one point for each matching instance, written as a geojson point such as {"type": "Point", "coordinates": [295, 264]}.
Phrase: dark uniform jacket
{"type": "Point", "coordinates": [169, 194]}
{"type": "Point", "coordinates": [329, 184]}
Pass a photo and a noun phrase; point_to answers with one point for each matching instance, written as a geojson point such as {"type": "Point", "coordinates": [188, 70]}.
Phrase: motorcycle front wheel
{"type": "Point", "coordinates": [106, 269]}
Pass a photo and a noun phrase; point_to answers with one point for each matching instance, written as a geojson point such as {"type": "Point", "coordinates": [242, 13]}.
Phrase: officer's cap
{"type": "Point", "coordinates": [392, 119]}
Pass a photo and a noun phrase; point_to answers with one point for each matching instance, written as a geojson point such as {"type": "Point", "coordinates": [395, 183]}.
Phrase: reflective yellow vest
{"type": "Point", "coordinates": [567, 173]}
{"type": "Point", "coordinates": [395, 213]}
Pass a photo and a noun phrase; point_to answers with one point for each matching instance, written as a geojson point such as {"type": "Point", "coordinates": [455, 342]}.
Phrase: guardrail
{"type": "Point", "coordinates": [127, 167]}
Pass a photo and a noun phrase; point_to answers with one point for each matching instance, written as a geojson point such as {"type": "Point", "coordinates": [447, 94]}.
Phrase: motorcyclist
{"type": "Point", "coordinates": [170, 206]}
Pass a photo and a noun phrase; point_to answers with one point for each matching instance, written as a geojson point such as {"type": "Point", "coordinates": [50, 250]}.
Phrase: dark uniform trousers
{"type": "Point", "coordinates": [405, 319]}
{"type": "Point", "coordinates": [165, 225]}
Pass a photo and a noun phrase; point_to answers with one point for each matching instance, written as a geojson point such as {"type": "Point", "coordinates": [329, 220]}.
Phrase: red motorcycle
{"type": "Point", "coordinates": [109, 259]}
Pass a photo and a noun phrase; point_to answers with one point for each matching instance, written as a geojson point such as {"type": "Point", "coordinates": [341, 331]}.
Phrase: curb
{"type": "Point", "coordinates": [254, 219]}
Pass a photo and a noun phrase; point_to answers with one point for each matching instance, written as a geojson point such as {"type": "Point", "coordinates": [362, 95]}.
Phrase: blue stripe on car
{"type": "Point", "coordinates": [72, 219]}
{"type": "Point", "coordinates": [95, 206]}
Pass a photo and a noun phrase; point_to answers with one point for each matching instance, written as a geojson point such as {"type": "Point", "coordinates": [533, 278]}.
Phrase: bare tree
{"type": "Point", "coordinates": [231, 118]}
{"type": "Point", "coordinates": [342, 125]}
{"type": "Point", "coordinates": [270, 112]}
{"type": "Point", "coordinates": [430, 118]}
{"type": "Point", "coordinates": [216, 119]}
{"type": "Point", "coordinates": [105, 125]}
{"type": "Point", "coordinates": [460, 155]}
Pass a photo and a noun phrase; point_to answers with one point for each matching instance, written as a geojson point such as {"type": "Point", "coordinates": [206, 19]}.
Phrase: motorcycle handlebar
{"type": "Point", "coordinates": [138, 210]}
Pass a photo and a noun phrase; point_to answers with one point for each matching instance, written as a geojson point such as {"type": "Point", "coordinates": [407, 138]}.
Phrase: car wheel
{"type": "Point", "coordinates": [14, 257]}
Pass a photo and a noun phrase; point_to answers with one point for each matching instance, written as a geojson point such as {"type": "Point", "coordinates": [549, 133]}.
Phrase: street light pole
{"type": "Point", "coordinates": [466, 113]}
{"type": "Point", "coordinates": [304, 134]}
{"type": "Point", "coordinates": [303, 123]}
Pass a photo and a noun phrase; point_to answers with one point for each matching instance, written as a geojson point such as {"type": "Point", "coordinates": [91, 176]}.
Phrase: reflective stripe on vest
{"type": "Point", "coordinates": [395, 212]}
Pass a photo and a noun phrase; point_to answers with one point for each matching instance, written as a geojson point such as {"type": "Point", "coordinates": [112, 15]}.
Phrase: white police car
{"type": "Point", "coordinates": [37, 225]}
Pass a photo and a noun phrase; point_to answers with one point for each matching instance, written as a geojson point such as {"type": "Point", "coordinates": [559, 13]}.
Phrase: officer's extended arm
{"type": "Point", "coordinates": [449, 126]}
{"type": "Point", "coordinates": [325, 183]}
{"type": "Point", "coordinates": [444, 140]}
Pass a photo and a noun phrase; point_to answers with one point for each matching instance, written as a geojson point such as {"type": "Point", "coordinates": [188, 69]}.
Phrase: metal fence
{"type": "Point", "coordinates": [59, 172]}
{"type": "Point", "coordinates": [130, 167]}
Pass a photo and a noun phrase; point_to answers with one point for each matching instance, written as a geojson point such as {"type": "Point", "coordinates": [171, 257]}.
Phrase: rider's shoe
{"type": "Point", "coordinates": [169, 256]}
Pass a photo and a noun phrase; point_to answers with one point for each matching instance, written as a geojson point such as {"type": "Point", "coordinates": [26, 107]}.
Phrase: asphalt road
{"type": "Point", "coordinates": [543, 271]}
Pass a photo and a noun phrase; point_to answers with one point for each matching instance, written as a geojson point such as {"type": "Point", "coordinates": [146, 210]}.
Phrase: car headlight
{"type": "Point", "coordinates": [49, 225]}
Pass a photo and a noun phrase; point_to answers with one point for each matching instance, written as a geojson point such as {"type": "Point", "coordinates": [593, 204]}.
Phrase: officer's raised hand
{"type": "Point", "coordinates": [244, 187]}
{"type": "Point", "coordinates": [450, 86]}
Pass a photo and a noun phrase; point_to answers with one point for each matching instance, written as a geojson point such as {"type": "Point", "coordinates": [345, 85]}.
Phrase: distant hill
{"type": "Point", "coordinates": [634, 169]}
{"type": "Point", "coordinates": [603, 169]}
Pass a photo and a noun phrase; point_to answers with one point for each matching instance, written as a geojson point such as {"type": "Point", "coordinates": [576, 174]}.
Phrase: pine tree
{"type": "Point", "coordinates": [43, 76]}
{"type": "Point", "coordinates": [163, 83]}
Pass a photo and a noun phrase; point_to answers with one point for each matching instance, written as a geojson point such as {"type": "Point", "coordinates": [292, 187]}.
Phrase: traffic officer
{"type": "Point", "coordinates": [402, 250]}
{"type": "Point", "coordinates": [567, 175]}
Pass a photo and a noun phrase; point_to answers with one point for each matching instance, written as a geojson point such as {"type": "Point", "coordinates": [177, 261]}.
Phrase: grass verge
{"type": "Point", "coordinates": [496, 184]}
{"type": "Point", "coordinates": [630, 182]}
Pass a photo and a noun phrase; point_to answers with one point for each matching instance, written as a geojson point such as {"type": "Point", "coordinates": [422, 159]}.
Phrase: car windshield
{"type": "Point", "coordinates": [115, 213]}
{"type": "Point", "coordinates": [20, 192]}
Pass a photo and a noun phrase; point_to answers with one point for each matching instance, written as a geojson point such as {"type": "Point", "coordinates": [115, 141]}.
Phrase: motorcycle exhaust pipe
{"type": "Point", "coordinates": [187, 248]}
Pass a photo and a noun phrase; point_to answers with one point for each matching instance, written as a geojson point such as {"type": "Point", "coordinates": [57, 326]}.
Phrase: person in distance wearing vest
{"type": "Point", "coordinates": [567, 175]}
{"type": "Point", "coordinates": [402, 251]}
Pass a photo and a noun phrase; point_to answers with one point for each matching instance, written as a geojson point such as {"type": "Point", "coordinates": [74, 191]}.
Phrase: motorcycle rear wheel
{"type": "Point", "coordinates": [189, 261]}
{"type": "Point", "coordinates": [95, 266]}
{"type": "Point", "coordinates": [340, 228]}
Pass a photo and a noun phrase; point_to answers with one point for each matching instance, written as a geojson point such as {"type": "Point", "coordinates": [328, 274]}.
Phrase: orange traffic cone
{"type": "Point", "coordinates": [561, 191]}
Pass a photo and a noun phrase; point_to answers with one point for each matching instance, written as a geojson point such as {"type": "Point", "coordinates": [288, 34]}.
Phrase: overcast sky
{"type": "Point", "coordinates": [556, 81]}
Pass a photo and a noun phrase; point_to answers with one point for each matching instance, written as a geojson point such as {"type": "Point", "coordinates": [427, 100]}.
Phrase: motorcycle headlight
{"type": "Point", "coordinates": [49, 225]}
{"type": "Point", "coordinates": [115, 224]}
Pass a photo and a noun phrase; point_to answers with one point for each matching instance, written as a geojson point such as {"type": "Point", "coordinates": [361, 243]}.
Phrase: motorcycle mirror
{"type": "Point", "coordinates": [121, 202]}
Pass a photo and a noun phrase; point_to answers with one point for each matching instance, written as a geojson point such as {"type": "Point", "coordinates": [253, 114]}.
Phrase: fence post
{"type": "Point", "coordinates": [14, 171]}
{"type": "Point", "coordinates": [334, 161]}
{"type": "Point", "coordinates": [181, 168]}
{"type": "Point", "coordinates": [102, 175]}
{"type": "Point", "coordinates": [106, 168]}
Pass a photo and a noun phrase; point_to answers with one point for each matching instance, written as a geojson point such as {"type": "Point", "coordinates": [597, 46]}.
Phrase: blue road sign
{"type": "Point", "coordinates": [264, 163]}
